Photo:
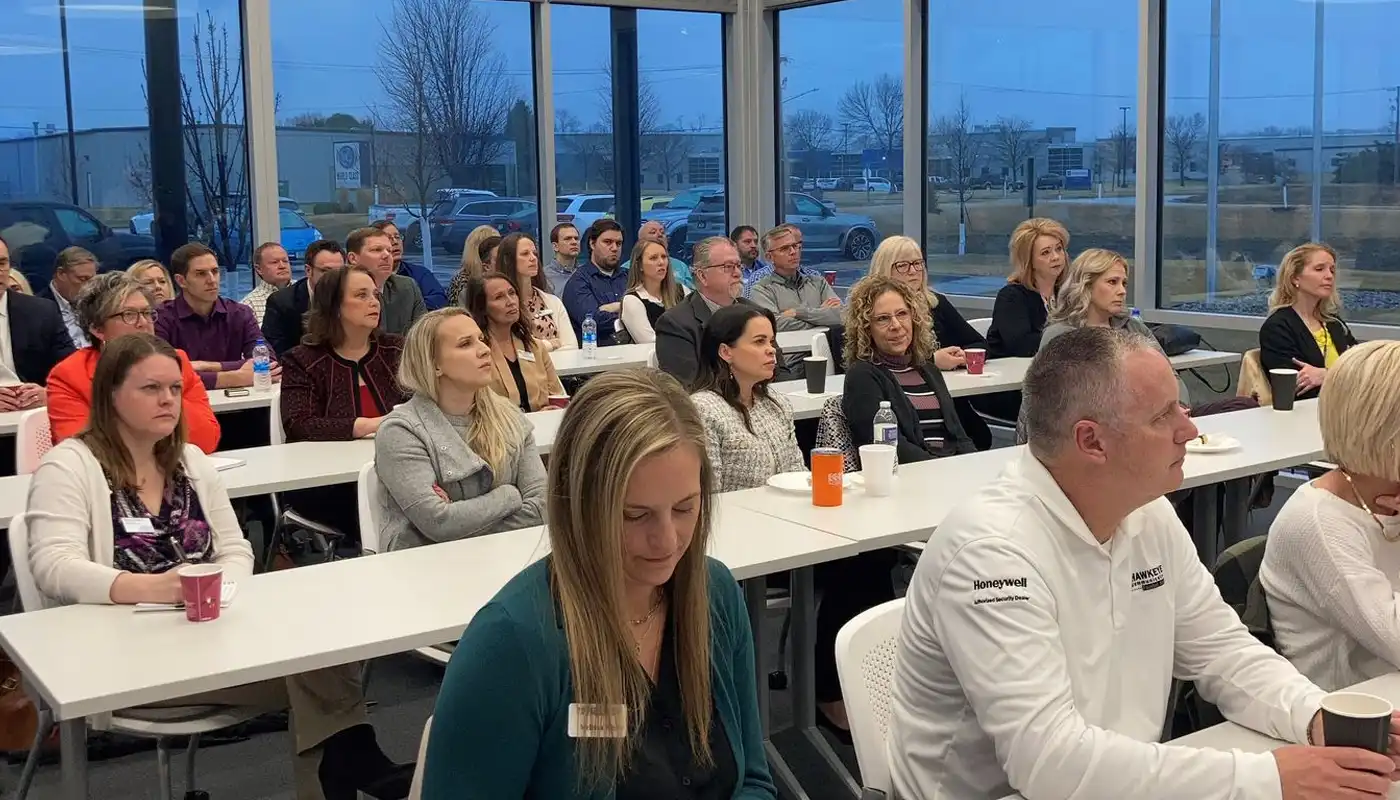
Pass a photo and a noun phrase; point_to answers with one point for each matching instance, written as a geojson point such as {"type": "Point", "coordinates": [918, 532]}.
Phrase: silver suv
{"type": "Point", "coordinates": [825, 231]}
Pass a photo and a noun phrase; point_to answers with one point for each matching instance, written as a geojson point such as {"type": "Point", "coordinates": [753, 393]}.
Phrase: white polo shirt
{"type": "Point", "coordinates": [1033, 658]}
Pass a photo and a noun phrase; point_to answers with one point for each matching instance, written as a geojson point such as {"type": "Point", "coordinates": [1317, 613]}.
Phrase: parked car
{"type": "Point", "coordinates": [1050, 180]}
{"type": "Point", "coordinates": [827, 184]}
{"type": "Point", "coordinates": [658, 202]}
{"type": "Point", "coordinates": [297, 234]}
{"type": "Point", "coordinates": [526, 221]}
{"type": "Point", "coordinates": [938, 180]}
{"type": "Point", "coordinates": [453, 220]}
{"type": "Point", "coordinates": [825, 231]}
{"type": "Point", "coordinates": [872, 185]}
{"type": "Point", "coordinates": [675, 216]}
{"type": "Point", "coordinates": [583, 209]}
{"type": "Point", "coordinates": [36, 232]}
{"type": "Point", "coordinates": [142, 223]}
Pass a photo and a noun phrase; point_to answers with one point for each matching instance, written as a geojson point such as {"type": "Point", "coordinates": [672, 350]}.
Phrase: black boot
{"type": "Point", "coordinates": [352, 762]}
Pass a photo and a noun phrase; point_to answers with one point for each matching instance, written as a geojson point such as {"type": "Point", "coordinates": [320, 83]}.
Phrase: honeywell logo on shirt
{"type": "Point", "coordinates": [998, 585]}
{"type": "Point", "coordinates": [1148, 579]}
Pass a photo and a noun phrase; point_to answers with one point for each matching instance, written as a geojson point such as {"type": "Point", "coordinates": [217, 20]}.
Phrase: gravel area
{"type": "Point", "coordinates": [1258, 304]}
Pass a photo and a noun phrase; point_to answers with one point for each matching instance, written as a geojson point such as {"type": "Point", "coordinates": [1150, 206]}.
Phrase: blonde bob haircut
{"type": "Point", "coordinates": [1076, 293]}
{"type": "Point", "coordinates": [1023, 248]}
{"type": "Point", "coordinates": [1286, 289]}
{"type": "Point", "coordinates": [616, 421]}
{"type": "Point", "coordinates": [472, 264]}
{"type": "Point", "coordinates": [860, 304]}
{"type": "Point", "coordinates": [496, 425]}
{"type": "Point", "coordinates": [1358, 408]}
{"type": "Point", "coordinates": [900, 248]}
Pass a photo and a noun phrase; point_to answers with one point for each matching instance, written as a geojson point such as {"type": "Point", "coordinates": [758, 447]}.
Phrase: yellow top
{"type": "Point", "coordinates": [1328, 348]}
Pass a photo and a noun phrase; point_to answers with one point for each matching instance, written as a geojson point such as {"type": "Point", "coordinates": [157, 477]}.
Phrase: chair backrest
{"type": "Point", "coordinates": [275, 434]}
{"type": "Point", "coordinates": [32, 440]}
{"type": "Point", "coordinates": [369, 509]}
{"type": "Point", "coordinates": [833, 432]}
{"type": "Point", "coordinates": [651, 360]}
{"type": "Point", "coordinates": [1236, 574]}
{"type": "Point", "coordinates": [29, 597]}
{"type": "Point", "coordinates": [1254, 381]}
{"type": "Point", "coordinates": [981, 325]}
{"type": "Point", "coordinates": [415, 790]}
{"type": "Point", "coordinates": [821, 347]}
{"type": "Point", "coordinates": [865, 653]}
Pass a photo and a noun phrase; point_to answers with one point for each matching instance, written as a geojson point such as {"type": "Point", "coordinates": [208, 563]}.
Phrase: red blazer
{"type": "Point", "coordinates": [321, 392]}
{"type": "Point", "coordinates": [70, 399]}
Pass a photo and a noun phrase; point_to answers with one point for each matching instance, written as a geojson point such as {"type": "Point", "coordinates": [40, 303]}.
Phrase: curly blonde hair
{"type": "Point", "coordinates": [1286, 292]}
{"type": "Point", "coordinates": [1023, 248]}
{"type": "Point", "coordinates": [860, 303]}
{"type": "Point", "coordinates": [1076, 293]}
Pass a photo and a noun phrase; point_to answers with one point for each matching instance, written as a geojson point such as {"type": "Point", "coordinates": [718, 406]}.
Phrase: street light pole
{"type": "Point", "coordinates": [1123, 153]}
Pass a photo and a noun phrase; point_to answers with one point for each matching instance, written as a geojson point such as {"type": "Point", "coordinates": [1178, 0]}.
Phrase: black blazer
{"type": "Point", "coordinates": [678, 334]}
{"type": "Point", "coordinates": [1018, 319]}
{"type": "Point", "coordinates": [38, 337]}
{"type": "Point", "coordinates": [867, 384]}
{"type": "Point", "coordinates": [1284, 336]}
{"type": "Point", "coordinates": [951, 329]}
{"type": "Point", "coordinates": [285, 315]}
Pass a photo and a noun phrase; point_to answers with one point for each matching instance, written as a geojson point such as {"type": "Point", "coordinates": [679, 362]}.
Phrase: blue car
{"type": "Point", "coordinates": [297, 235]}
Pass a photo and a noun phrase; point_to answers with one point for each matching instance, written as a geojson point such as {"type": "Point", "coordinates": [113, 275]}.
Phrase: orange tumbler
{"type": "Point", "coordinates": [828, 470]}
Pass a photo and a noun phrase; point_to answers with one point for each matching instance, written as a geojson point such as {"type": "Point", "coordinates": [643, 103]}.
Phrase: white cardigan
{"type": "Point", "coordinates": [69, 517]}
{"type": "Point", "coordinates": [568, 340]}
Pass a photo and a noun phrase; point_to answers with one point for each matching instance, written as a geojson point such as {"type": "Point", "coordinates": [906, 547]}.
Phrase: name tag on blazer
{"type": "Point", "coordinates": [544, 312]}
{"type": "Point", "coordinates": [591, 721]}
{"type": "Point", "coordinates": [137, 525]}
{"type": "Point", "coordinates": [526, 355]}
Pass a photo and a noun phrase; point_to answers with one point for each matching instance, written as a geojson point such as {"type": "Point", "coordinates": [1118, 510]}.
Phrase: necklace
{"type": "Point", "coordinates": [1357, 494]}
{"type": "Point", "coordinates": [655, 605]}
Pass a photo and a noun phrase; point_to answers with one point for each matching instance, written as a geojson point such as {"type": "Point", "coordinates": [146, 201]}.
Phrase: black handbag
{"type": "Point", "coordinates": [1176, 339]}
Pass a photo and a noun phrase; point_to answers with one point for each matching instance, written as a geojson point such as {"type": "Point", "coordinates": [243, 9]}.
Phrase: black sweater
{"type": "Point", "coordinates": [951, 329]}
{"type": "Point", "coordinates": [1284, 336]}
{"type": "Point", "coordinates": [867, 384]}
{"type": "Point", "coordinates": [1018, 319]}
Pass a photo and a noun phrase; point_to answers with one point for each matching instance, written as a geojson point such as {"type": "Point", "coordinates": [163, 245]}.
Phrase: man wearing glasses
{"type": "Point", "coordinates": [718, 283]}
{"type": "Point", "coordinates": [33, 339]}
{"type": "Point", "coordinates": [799, 299]}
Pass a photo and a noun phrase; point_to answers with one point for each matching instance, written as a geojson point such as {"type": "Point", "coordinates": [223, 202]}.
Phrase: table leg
{"type": "Point", "coordinates": [1205, 523]}
{"type": "Point", "coordinates": [756, 596]}
{"type": "Point", "coordinates": [804, 674]}
{"type": "Point", "coordinates": [72, 739]}
{"type": "Point", "coordinates": [1236, 522]}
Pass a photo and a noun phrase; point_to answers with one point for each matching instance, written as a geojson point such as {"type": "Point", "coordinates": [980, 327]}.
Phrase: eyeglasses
{"type": "Point", "coordinates": [732, 267]}
{"type": "Point", "coordinates": [886, 320]}
{"type": "Point", "coordinates": [911, 267]}
{"type": "Point", "coordinates": [132, 316]}
{"type": "Point", "coordinates": [790, 247]}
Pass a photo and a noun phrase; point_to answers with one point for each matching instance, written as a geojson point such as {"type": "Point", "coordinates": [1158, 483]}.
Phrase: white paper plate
{"type": "Point", "coordinates": [800, 482]}
{"type": "Point", "coordinates": [1214, 443]}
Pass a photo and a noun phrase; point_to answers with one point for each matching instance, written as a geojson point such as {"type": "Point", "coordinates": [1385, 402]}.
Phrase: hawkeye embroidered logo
{"type": "Point", "coordinates": [1148, 579]}
{"type": "Point", "coordinates": [999, 585]}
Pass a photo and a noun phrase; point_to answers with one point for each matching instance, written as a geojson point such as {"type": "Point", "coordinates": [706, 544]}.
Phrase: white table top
{"type": "Point", "coordinates": [411, 598]}
{"type": "Point", "coordinates": [624, 356]}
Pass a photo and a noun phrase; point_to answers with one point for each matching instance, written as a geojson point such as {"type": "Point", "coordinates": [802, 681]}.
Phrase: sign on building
{"type": "Point", "coordinates": [347, 165]}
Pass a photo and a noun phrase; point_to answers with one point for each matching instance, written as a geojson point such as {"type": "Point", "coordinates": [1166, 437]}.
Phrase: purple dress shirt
{"type": "Point", "coordinates": [227, 335]}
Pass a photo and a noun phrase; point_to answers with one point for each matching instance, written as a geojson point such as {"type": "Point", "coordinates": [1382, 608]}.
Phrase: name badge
{"type": "Point", "coordinates": [590, 721]}
{"type": "Point", "coordinates": [526, 355]}
{"type": "Point", "coordinates": [137, 525]}
{"type": "Point", "coordinates": [545, 312]}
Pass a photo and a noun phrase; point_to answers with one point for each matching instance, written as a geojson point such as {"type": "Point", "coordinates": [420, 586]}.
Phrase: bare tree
{"type": "Point", "coordinates": [953, 133]}
{"type": "Point", "coordinates": [1124, 153]}
{"type": "Point", "coordinates": [876, 110]}
{"type": "Point", "coordinates": [1014, 142]}
{"type": "Point", "coordinates": [138, 176]}
{"type": "Point", "coordinates": [439, 56]}
{"type": "Point", "coordinates": [1183, 133]}
{"type": "Point", "coordinates": [410, 164]}
{"type": "Point", "coordinates": [808, 130]}
{"type": "Point", "coordinates": [589, 146]}
{"type": "Point", "coordinates": [648, 106]}
{"type": "Point", "coordinates": [668, 149]}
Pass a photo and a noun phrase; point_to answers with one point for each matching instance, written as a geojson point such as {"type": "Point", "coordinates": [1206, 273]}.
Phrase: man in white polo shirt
{"type": "Point", "coordinates": [1050, 611]}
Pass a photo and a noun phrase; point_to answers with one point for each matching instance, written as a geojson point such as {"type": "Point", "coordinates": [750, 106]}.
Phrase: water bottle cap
{"type": "Point", "coordinates": [884, 404]}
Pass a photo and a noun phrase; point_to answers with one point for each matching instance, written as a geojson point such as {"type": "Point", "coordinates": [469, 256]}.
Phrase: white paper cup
{"type": "Point", "coordinates": [877, 467]}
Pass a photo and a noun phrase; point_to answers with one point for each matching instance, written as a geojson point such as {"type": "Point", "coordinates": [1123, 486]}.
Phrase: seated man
{"type": "Point", "coordinates": [434, 296]}
{"type": "Point", "coordinates": [285, 320]}
{"type": "Point", "coordinates": [654, 231]}
{"type": "Point", "coordinates": [73, 268]}
{"type": "Point", "coordinates": [33, 341]}
{"type": "Point", "coordinates": [274, 272]}
{"type": "Point", "coordinates": [401, 301]}
{"type": "Point", "coordinates": [1051, 610]}
{"type": "Point", "coordinates": [800, 299]}
{"type": "Point", "coordinates": [597, 287]}
{"type": "Point", "coordinates": [217, 333]}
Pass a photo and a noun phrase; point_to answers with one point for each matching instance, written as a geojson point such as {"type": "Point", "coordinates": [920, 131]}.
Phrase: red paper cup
{"type": "Point", "coordinates": [203, 588]}
{"type": "Point", "coordinates": [830, 279]}
{"type": "Point", "coordinates": [559, 401]}
{"type": "Point", "coordinates": [976, 360]}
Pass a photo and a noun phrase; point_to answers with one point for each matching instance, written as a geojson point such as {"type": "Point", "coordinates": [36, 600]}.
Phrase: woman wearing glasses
{"type": "Point", "coordinates": [110, 305]}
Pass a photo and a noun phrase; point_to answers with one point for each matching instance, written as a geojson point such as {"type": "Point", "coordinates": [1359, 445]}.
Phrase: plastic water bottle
{"type": "Point", "coordinates": [887, 429]}
{"type": "Point", "coordinates": [590, 337]}
{"type": "Point", "coordinates": [1137, 314]}
{"type": "Point", "coordinates": [262, 367]}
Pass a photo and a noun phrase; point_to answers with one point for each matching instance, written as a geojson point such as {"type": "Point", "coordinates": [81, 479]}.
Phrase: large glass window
{"type": "Point", "coordinates": [1029, 115]}
{"type": "Point", "coordinates": [1279, 178]}
{"type": "Point", "coordinates": [93, 179]}
{"type": "Point", "coordinates": [841, 90]}
{"type": "Point", "coordinates": [435, 110]}
{"type": "Point", "coordinates": [583, 111]}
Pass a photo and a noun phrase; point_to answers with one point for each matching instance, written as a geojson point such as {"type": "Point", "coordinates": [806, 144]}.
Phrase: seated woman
{"type": "Point", "coordinates": [110, 305]}
{"type": "Point", "coordinates": [748, 429]}
{"type": "Point", "coordinates": [1304, 330]}
{"type": "Point", "coordinates": [1038, 260]}
{"type": "Point", "coordinates": [889, 357]}
{"type": "Point", "coordinates": [19, 283]}
{"type": "Point", "coordinates": [339, 383]}
{"type": "Point", "coordinates": [519, 260]}
{"type": "Point", "coordinates": [626, 612]}
{"type": "Point", "coordinates": [1331, 569]}
{"type": "Point", "coordinates": [521, 369]}
{"type": "Point", "coordinates": [116, 510]}
{"type": "Point", "coordinates": [900, 257]}
{"type": "Point", "coordinates": [457, 460]}
{"type": "Point", "coordinates": [471, 264]}
{"type": "Point", "coordinates": [153, 277]}
{"type": "Point", "coordinates": [651, 290]}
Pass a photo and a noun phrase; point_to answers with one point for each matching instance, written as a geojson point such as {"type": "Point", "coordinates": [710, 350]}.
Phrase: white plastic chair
{"type": "Point", "coordinates": [190, 721]}
{"type": "Point", "coordinates": [275, 434]}
{"type": "Point", "coordinates": [415, 790]}
{"type": "Point", "coordinates": [821, 348]}
{"type": "Point", "coordinates": [865, 655]}
{"type": "Point", "coordinates": [981, 325]}
{"type": "Point", "coordinates": [32, 440]}
{"type": "Point", "coordinates": [651, 359]}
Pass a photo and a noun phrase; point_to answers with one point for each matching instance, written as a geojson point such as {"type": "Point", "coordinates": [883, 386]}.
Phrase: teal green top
{"type": "Point", "coordinates": [500, 729]}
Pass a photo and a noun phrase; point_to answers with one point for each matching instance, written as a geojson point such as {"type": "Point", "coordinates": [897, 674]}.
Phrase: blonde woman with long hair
{"type": "Point", "coordinates": [901, 258]}
{"type": "Point", "coordinates": [457, 460]}
{"type": "Point", "coordinates": [621, 665]}
{"type": "Point", "coordinates": [472, 266]}
{"type": "Point", "coordinates": [1039, 255]}
{"type": "Point", "coordinates": [1305, 330]}
{"type": "Point", "coordinates": [652, 290]}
